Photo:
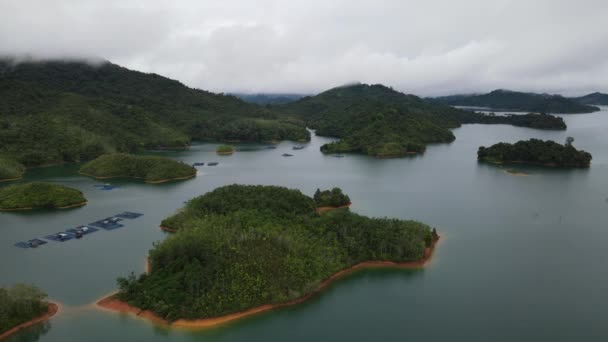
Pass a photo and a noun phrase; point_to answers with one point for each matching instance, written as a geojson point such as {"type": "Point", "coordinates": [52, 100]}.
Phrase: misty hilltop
{"type": "Point", "coordinates": [508, 100]}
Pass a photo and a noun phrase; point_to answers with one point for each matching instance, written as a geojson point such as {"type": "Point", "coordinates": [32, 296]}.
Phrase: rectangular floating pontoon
{"type": "Point", "coordinates": [108, 223]}
{"type": "Point", "coordinates": [129, 215]}
{"type": "Point", "coordinates": [33, 243]}
{"type": "Point", "coordinates": [84, 230]}
{"type": "Point", "coordinates": [61, 236]}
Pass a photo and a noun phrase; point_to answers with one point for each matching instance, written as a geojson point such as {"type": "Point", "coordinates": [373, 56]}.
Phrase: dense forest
{"type": "Point", "coordinates": [531, 120]}
{"type": "Point", "coordinates": [241, 246]}
{"type": "Point", "coordinates": [593, 99]}
{"type": "Point", "coordinates": [331, 198]}
{"type": "Point", "coordinates": [535, 151]}
{"type": "Point", "coordinates": [375, 120]}
{"type": "Point", "coordinates": [19, 304]}
{"type": "Point", "coordinates": [518, 101]}
{"type": "Point", "coordinates": [63, 111]}
{"type": "Point", "coordinates": [39, 195]}
{"type": "Point", "coordinates": [149, 168]}
{"type": "Point", "coordinates": [10, 169]}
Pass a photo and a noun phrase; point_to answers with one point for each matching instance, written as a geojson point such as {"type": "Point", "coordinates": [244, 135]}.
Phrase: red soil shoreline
{"type": "Point", "coordinates": [32, 208]}
{"type": "Point", "coordinates": [111, 303]}
{"type": "Point", "coordinates": [149, 182]}
{"type": "Point", "coordinates": [324, 209]}
{"type": "Point", "coordinates": [53, 308]}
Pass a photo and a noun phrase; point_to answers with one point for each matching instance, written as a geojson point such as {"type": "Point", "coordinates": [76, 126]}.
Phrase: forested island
{"type": "Point", "coordinates": [22, 306]}
{"type": "Point", "coordinates": [241, 249]}
{"type": "Point", "coordinates": [537, 152]}
{"type": "Point", "coordinates": [152, 169]}
{"type": "Point", "coordinates": [64, 111]}
{"type": "Point", "coordinates": [38, 195]}
{"type": "Point", "coordinates": [531, 120]}
{"type": "Point", "coordinates": [225, 150]}
{"type": "Point", "coordinates": [10, 170]}
{"type": "Point", "coordinates": [508, 100]}
{"type": "Point", "coordinates": [374, 120]}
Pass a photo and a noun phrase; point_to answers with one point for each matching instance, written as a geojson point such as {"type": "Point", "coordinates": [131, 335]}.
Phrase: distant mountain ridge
{"type": "Point", "coordinates": [269, 98]}
{"type": "Point", "coordinates": [593, 99]}
{"type": "Point", "coordinates": [56, 111]}
{"type": "Point", "coordinates": [502, 99]}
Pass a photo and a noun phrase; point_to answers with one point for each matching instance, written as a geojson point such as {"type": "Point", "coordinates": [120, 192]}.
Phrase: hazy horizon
{"type": "Point", "coordinates": [433, 48]}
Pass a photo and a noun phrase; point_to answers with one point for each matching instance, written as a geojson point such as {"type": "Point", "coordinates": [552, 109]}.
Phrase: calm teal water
{"type": "Point", "coordinates": [522, 258]}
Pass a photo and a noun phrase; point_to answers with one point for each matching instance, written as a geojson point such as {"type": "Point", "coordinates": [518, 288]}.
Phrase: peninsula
{"type": "Point", "coordinates": [152, 169]}
{"type": "Point", "coordinates": [242, 249]}
{"type": "Point", "coordinates": [536, 152]}
{"type": "Point", "coordinates": [39, 195]}
{"type": "Point", "coordinates": [23, 306]}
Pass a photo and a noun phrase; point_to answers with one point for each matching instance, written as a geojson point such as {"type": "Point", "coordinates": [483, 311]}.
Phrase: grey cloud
{"type": "Point", "coordinates": [423, 47]}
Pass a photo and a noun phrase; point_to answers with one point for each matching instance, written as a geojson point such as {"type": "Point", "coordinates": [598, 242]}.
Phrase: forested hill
{"type": "Point", "coordinates": [518, 101]}
{"type": "Point", "coordinates": [375, 120]}
{"type": "Point", "coordinates": [593, 99]}
{"type": "Point", "coordinates": [268, 98]}
{"type": "Point", "coordinates": [58, 111]}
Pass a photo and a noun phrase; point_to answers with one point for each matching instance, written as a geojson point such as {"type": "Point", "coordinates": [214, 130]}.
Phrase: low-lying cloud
{"type": "Point", "coordinates": [426, 48]}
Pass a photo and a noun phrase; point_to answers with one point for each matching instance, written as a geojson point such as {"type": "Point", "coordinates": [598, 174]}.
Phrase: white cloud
{"type": "Point", "coordinates": [427, 48]}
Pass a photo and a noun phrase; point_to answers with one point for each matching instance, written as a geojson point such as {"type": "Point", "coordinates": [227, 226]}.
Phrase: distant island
{"type": "Point", "coordinates": [374, 120]}
{"type": "Point", "coordinates": [225, 150]}
{"type": "Point", "coordinates": [243, 249]}
{"type": "Point", "coordinates": [22, 306]}
{"type": "Point", "coordinates": [152, 169]}
{"type": "Point", "coordinates": [65, 111]}
{"type": "Point", "coordinates": [39, 195]}
{"type": "Point", "coordinates": [531, 120]}
{"type": "Point", "coordinates": [536, 152]}
{"type": "Point", "coordinates": [10, 170]}
{"type": "Point", "coordinates": [518, 101]}
{"type": "Point", "coordinates": [593, 99]}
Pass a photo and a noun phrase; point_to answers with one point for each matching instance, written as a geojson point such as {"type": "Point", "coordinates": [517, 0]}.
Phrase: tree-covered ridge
{"type": "Point", "coordinates": [531, 120]}
{"type": "Point", "coordinates": [149, 168]}
{"type": "Point", "coordinates": [245, 246]}
{"type": "Point", "coordinates": [39, 195]}
{"type": "Point", "coordinates": [273, 201]}
{"type": "Point", "coordinates": [59, 111]}
{"type": "Point", "coordinates": [518, 101]}
{"type": "Point", "coordinates": [269, 98]}
{"type": "Point", "coordinates": [593, 99]}
{"type": "Point", "coordinates": [375, 120]}
{"type": "Point", "coordinates": [19, 304]}
{"type": "Point", "coordinates": [10, 169]}
{"type": "Point", "coordinates": [535, 151]}
{"type": "Point", "coordinates": [331, 198]}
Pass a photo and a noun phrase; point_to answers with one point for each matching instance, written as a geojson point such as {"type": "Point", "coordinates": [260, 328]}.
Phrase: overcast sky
{"type": "Point", "coordinates": [425, 47]}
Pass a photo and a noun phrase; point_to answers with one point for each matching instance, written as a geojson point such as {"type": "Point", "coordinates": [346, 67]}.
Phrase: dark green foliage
{"type": "Point", "coordinates": [518, 101]}
{"type": "Point", "coordinates": [535, 151]}
{"type": "Point", "coordinates": [38, 195]}
{"type": "Point", "coordinates": [225, 149]}
{"type": "Point", "coordinates": [375, 120]}
{"type": "Point", "coordinates": [10, 169]}
{"type": "Point", "coordinates": [60, 111]}
{"type": "Point", "coordinates": [244, 246]}
{"type": "Point", "coordinates": [538, 121]}
{"type": "Point", "coordinates": [19, 304]}
{"type": "Point", "coordinates": [331, 198]}
{"type": "Point", "coordinates": [593, 99]}
{"type": "Point", "coordinates": [149, 168]}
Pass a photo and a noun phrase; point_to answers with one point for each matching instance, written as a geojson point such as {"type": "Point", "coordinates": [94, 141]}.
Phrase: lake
{"type": "Point", "coordinates": [521, 257]}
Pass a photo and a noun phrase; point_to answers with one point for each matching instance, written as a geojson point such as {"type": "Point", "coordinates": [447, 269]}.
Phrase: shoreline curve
{"type": "Point", "coordinates": [141, 178]}
{"type": "Point", "coordinates": [52, 310]}
{"type": "Point", "coordinates": [111, 303]}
